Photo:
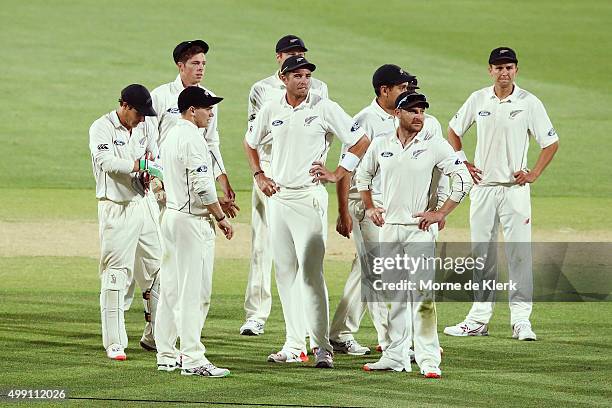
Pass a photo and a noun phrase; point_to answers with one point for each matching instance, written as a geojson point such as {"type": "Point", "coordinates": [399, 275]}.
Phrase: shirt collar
{"type": "Point", "coordinates": [114, 118]}
{"type": "Point", "coordinates": [509, 98]}
{"type": "Point", "coordinates": [277, 81]}
{"type": "Point", "coordinates": [418, 138]}
{"type": "Point", "coordinates": [178, 83]}
{"type": "Point", "coordinates": [185, 122]}
{"type": "Point", "coordinates": [380, 111]}
{"type": "Point", "coordinates": [302, 105]}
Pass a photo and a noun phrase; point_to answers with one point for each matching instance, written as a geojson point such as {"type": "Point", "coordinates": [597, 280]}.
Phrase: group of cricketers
{"type": "Point", "coordinates": [156, 159]}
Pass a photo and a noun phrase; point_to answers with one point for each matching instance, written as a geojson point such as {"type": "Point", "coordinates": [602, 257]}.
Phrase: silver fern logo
{"type": "Point", "coordinates": [514, 113]}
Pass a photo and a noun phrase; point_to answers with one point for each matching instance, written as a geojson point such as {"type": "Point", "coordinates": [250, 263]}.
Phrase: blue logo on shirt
{"type": "Point", "coordinates": [355, 127]}
{"type": "Point", "coordinates": [484, 113]}
{"type": "Point", "coordinates": [173, 110]}
{"type": "Point", "coordinates": [277, 123]}
{"type": "Point", "coordinates": [202, 169]}
{"type": "Point", "coordinates": [119, 142]}
{"type": "Point", "coordinates": [386, 154]}
{"type": "Point", "coordinates": [552, 132]}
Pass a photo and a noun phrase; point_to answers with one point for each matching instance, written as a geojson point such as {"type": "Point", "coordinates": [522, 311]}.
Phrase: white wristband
{"type": "Point", "coordinates": [461, 155]}
{"type": "Point", "coordinates": [349, 161]}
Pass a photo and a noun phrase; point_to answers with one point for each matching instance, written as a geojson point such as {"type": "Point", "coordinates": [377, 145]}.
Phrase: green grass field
{"type": "Point", "coordinates": [63, 65]}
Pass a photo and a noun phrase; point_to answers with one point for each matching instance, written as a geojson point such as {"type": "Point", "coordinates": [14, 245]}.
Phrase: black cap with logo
{"type": "Point", "coordinates": [290, 42]}
{"type": "Point", "coordinates": [196, 97]}
{"type": "Point", "coordinates": [502, 54]}
{"type": "Point", "coordinates": [409, 99]}
{"type": "Point", "coordinates": [390, 74]}
{"type": "Point", "coordinates": [139, 98]}
{"type": "Point", "coordinates": [296, 62]}
{"type": "Point", "coordinates": [185, 45]}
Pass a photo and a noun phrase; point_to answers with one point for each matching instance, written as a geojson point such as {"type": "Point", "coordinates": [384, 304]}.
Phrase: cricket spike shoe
{"type": "Point", "coordinates": [350, 347]}
{"type": "Point", "coordinates": [431, 372]}
{"type": "Point", "coordinates": [207, 370]}
{"type": "Point", "coordinates": [324, 359]}
{"type": "Point", "coordinates": [522, 331]}
{"type": "Point", "coordinates": [252, 328]}
{"type": "Point", "coordinates": [177, 365]}
{"type": "Point", "coordinates": [385, 364]}
{"type": "Point", "coordinates": [116, 352]}
{"type": "Point", "coordinates": [466, 328]}
{"type": "Point", "coordinates": [285, 356]}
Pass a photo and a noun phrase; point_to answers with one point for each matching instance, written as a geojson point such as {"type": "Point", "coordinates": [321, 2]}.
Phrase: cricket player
{"type": "Point", "coordinates": [190, 59]}
{"type": "Point", "coordinates": [188, 233]}
{"type": "Point", "coordinates": [378, 120]}
{"type": "Point", "coordinates": [505, 116]}
{"type": "Point", "coordinates": [258, 296]}
{"type": "Point", "coordinates": [301, 125]}
{"type": "Point", "coordinates": [119, 143]}
{"type": "Point", "coordinates": [406, 160]}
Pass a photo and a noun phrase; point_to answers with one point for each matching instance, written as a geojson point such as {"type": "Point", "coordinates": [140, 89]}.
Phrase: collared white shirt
{"type": "Point", "coordinates": [300, 136]}
{"type": "Point", "coordinates": [406, 174]}
{"type": "Point", "coordinates": [113, 153]}
{"type": "Point", "coordinates": [503, 128]}
{"type": "Point", "coordinates": [376, 122]}
{"type": "Point", "coordinates": [273, 88]}
{"type": "Point", "coordinates": [165, 103]}
{"type": "Point", "coordinates": [188, 176]}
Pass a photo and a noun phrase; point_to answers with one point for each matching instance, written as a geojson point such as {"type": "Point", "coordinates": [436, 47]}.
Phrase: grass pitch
{"type": "Point", "coordinates": [63, 66]}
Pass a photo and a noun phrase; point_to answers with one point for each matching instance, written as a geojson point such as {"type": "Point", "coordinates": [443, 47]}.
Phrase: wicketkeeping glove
{"type": "Point", "coordinates": [152, 168]}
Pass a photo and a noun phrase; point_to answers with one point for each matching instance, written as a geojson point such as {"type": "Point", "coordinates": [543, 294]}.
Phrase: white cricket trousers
{"type": "Point", "coordinates": [510, 207]}
{"type": "Point", "coordinates": [298, 232]}
{"type": "Point", "coordinates": [351, 309]}
{"type": "Point", "coordinates": [416, 311]}
{"type": "Point", "coordinates": [128, 235]}
{"type": "Point", "coordinates": [186, 283]}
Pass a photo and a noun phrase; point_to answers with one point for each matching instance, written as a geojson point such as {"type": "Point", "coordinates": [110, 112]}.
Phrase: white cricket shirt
{"type": "Point", "coordinates": [113, 152]}
{"type": "Point", "coordinates": [188, 176]}
{"type": "Point", "coordinates": [503, 128]}
{"type": "Point", "coordinates": [165, 103]}
{"type": "Point", "coordinates": [300, 136]}
{"type": "Point", "coordinates": [273, 88]}
{"type": "Point", "coordinates": [406, 174]}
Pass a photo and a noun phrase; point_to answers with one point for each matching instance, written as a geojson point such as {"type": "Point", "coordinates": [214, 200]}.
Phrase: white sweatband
{"type": "Point", "coordinates": [349, 161]}
{"type": "Point", "coordinates": [461, 155]}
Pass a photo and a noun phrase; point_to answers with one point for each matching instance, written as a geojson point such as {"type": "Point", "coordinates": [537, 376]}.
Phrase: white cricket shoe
{"type": "Point", "coordinates": [177, 365]}
{"type": "Point", "coordinates": [285, 356]}
{"type": "Point", "coordinates": [384, 364]}
{"type": "Point", "coordinates": [116, 352]}
{"type": "Point", "coordinates": [350, 347]}
{"type": "Point", "coordinates": [206, 370]}
{"type": "Point", "coordinates": [522, 331]}
{"type": "Point", "coordinates": [324, 359]}
{"type": "Point", "coordinates": [431, 372]}
{"type": "Point", "coordinates": [252, 328]}
{"type": "Point", "coordinates": [466, 328]}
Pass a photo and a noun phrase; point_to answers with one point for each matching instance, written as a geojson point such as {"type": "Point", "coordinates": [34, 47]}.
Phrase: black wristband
{"type": "Point", "coordinates": [257, 173]}
{"type": "Point", "coordinates": [220, 219]}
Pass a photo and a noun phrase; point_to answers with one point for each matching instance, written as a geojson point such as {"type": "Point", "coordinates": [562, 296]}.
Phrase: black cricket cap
{"type": "Point", "coordinates": [138, 97]}
{"type": "Point", "coordinates": [185, 45]}
{"type": "Point", "coordinates": [502, 54]}
{"type": "Point", "coordinates": [391, 74]}
{"type": "Point", "coordinates": [196, 97]}
{"type": "Point", "coordinates": [296, 62]}
{"type": "Point", "coordinates": [408, 99]}
{"type": "Point", "coordinates": [289, 42]}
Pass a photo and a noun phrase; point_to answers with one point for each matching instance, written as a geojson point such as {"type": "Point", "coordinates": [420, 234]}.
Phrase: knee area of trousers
{"type": "Point", "coordinates": [114, 279]}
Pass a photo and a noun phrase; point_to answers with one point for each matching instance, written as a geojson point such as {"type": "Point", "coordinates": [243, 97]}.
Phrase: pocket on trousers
{"type": "Point", "coordinates": [518, 198]}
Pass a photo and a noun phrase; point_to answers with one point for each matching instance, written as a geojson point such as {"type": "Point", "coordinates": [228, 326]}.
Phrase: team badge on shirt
{"type": "Point", "coordinates": [514, 113]}
{"type": "Point", "coordinates": [309, 120]}
{"type": "Point", "coordinates": [202, 169]}
{"type": "Point", "coordinates": [417, 153]}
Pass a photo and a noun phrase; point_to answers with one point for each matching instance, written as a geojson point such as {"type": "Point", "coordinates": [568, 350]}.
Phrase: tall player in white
{"type": "Point", "coordinates": [506, 116]}
{"type": "Point", "coordinates": [258, 296]}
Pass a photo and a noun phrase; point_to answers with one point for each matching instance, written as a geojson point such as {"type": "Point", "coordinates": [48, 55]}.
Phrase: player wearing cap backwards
{"type": "Point", "coordinates": [405, 161]}
{"type": "Point", "coordinates": [188, 233]}
{"type": "Point", "coordinates": [190, 59]}
{"type": "Point", "coordinates": [258, 296]}
{"type": "Point", "coordinates": [301, 125]}
{"type": "Point", "coordinates": [505, 117]}
{"type": "Point", "coordinates": [378, 120]}
{"type": "Point", "coordinates": [119, 143]}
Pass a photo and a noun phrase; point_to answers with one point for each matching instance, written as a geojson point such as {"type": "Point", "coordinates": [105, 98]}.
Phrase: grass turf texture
{"type": "Point", "coordinates": [50, 337]}
{"type": "Point", "coordinates": [64, 64]}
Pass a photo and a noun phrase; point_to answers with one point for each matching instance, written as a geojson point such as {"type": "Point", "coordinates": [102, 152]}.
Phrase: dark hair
{"type": "Point", "coordinates": [190, 52]}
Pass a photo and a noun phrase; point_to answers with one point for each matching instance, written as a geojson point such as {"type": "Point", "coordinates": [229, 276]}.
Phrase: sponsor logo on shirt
{"type": "Point", "coordinates": [457, 162]}
{"type": "Point", "coordinates": [119, 142]}
{"type": "Point", "coordinates": [142, 141]}
{"type": "Point", "coordinates": [173, 110]}
{"type": "Point", "coordinates": [355, 127]}
{"type": "Point", "coordinates": [277, 123]}
{"type": "Point", "coordinates": [386, 154]}
{"type": "Point", "coordinates": [514, 113]}
{"type": "Point", "coordinates": [252, 117]}
{"type": "Point", "coordinates": [417, 153]}
{"type": "Point", "coordinates": [202, 169]}
{"type": "Point", "coordinates": [552, 132]}
{"type": "Point", "coordinates": [484, 113]}
{"type": "Point", "coordinates": [103, 146]}
{"type": "Point", "coordinates": [309, 120]}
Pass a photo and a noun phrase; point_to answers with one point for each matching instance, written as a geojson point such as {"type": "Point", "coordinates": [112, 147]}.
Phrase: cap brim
{"type": "Point", "coordinates": [293, 47]}
{"type": "Point", "coordinates": [423, 104]}
{"type": "Point", "coordinates": [146, 110]}
{"type": "Point", "coordinates": [307, 65]}
{"type": "Point", "coordinates": [503, 60]}
{"type": "Point", "coordinates": [213, 100]}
